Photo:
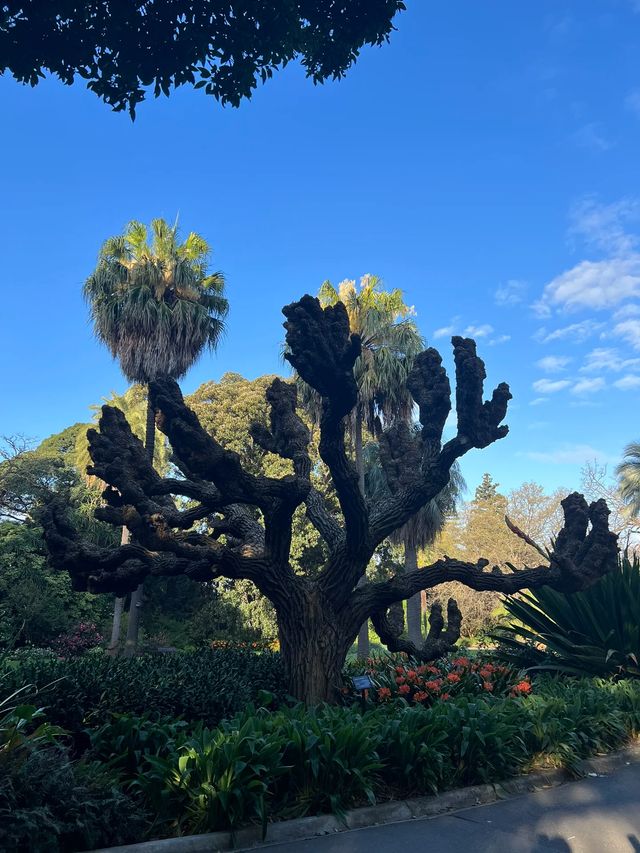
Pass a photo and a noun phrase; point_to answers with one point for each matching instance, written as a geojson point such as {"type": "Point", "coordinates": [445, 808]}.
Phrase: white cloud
{"type": "Point", "coordinates": [570, 454]}
{"type": "Point", "coordinates": [628, 382]}
{"type": "Point", "coordinates": [632, 101]}
{"type": "Point", "coordinates": [592, 284]}
{"type": "Point", "coordinates": [444, 332]}
{"type": "Point", "coordinates": [604, 225]}
{"type": "Point", "coordinates": [588, 386]}
{"type": "Point", "coordinates": [576, 332]}
{"type": "Point", "coordinates": [501, 339]}
{"type": "Point", "coordinates": [553, 363]}
{"type": "Point", "coordinates": [550, 386]}
{"type": "Point", "coordinates": [510, 293]}
{"type": "Point", "coordinates": [629, 330]}
{"type": "Point", "coordinates": [607, 358]}
{"type": "Point", "coordinates": [591, 137]}
{"type": "Point", "coordinates": [478, 331]}
{"type": "Point", "coordinates": [630, 310]}
{"type": "Point", "coordinates": [539, 401]}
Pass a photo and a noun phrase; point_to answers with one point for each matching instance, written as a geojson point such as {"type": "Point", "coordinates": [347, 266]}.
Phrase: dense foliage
{"type": "Point", "coordinates": [594, 632]}
{"type": "Point", "coordinates": [123, 49]}
{"type": "Point", "coordinates": [208, 685]}
{"type": "Point", "coordinates": [263, 764]}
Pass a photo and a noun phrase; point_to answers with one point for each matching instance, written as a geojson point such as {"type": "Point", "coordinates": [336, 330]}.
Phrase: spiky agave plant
{"type": "Point", "coordinates": [595, 631]}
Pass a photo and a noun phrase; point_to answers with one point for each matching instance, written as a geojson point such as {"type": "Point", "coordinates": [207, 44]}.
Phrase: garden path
{"type": "Point", "coordinates": [594, 815]}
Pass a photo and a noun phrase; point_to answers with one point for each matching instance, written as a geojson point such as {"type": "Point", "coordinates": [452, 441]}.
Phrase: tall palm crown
{"type": "Point", "coordinates": [390, 341]}
{"type": "Point", "coordinates": [628, 472]}
{"type": "Point", "coordinates": [153, 302]}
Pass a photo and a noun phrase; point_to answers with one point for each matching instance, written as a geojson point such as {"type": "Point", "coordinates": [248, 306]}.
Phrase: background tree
{"type": "Point", "coordinates": [123, 49]}
{"type": "Point", "coordinates": [37, 604]}
{"type": "Point", "coordinates": [156, 307]}
{"type": "Point", "coordinates": [389, 340]}
{"type": "Point", "coordinates": [628, 473]}
{"type": "Point", "coordinates": [249, 518]}
{"type": "Point", "coordinates": [597, 483]}
{"type": "Point", "coordinates": [479, 530]}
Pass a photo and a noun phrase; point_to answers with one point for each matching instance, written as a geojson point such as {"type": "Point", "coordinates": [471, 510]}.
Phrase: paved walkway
{"type": "Point", "coordinates": [593, 815]}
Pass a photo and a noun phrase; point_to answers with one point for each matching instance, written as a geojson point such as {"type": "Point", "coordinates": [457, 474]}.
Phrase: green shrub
{"type": "Point", "coordinates": [48, 803]}
{"type": "Point", "coordinates": [216, 779]}
{"type": "Point", "coordinates": [206, 685]}
{"type": "Point", "coordinates": [331, 756]}
{"type": "Point", "coordinates": [592, 632]}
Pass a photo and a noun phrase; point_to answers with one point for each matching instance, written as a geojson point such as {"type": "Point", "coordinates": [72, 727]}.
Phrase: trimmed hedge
{"type": "Point", "coordinates": [207, 685]}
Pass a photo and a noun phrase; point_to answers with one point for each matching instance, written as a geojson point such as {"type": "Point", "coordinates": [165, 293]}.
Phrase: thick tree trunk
{"type": "Point", "coordinates": [314, 648]}
{"type": "Point", "coordinates": [363, 633]}
{"type": "Point", "coordinates": [118, 608]}
{"type": "Point", "coordinates": [137, 596]}
{"type": "Point", "coordinates": [414, 605]}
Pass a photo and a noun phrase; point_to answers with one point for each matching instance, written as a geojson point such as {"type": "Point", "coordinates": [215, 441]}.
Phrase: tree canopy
{"type": "Point", "coordinates": [221, 46]}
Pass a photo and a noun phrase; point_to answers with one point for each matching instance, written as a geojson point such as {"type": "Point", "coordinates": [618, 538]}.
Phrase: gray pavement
{"type": "Point", "coordinates": [593, 815]}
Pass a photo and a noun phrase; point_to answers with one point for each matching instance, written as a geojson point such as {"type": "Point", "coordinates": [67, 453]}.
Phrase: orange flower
{"type": "Point", "coordinates": [523, 687]}
{"type": "Point", "coordinates": [400, 670]}
{"type": "Point", "coordinates": [433, 670]}
{"type": "Point", "coordinates": [384, 693]}
{"type": "Point", "coordinates": [436, 684]}
{"type": "Point", "coordinates": [460, 662]}
{"type": "Point", "coordinates": [453, 677]}
{"type": "Point", "coordinates": [421, 670]}
{"type": "Point", "coordinates": [404, 688]}
{"type": "Point", "coordinates": [445, 696]}
{"type": "Point", "coordinates": [420, 696]}
{"type": "Point", "coordinates": [412, 674]}
{"type": "Point", "coordinates": [488, 686]}
{"type": "Point", "coordinates": [399, 680]}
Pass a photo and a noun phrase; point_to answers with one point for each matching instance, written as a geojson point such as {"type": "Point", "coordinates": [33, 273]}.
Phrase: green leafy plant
{"type": "Point", "coordinates": [220, 779]}
{"type": "Point", "coordinates": [595, 631]}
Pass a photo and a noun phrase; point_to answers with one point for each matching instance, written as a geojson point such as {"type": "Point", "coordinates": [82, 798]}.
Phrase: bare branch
{"type": "Point", "coordinates": [522, 535]}
{"type": "Point", "coordinates": [389, 625]}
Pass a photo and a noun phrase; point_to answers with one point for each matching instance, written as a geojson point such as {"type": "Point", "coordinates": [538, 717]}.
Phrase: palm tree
{"type": "Point", "coordinates": [156, 307]}
{"type": "Point", "coordinates": [421, 529]}
{"type": "Point", "coordinates": [628, 472]}
{"type": "Point", "coordinates": [390, 341]}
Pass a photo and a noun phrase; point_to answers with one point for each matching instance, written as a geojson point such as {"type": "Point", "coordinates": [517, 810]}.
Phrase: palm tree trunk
{"type": "Point", "coordinates": [414, 604]}
{"type": "Point", "coordinates": [363, 633]}
{"type": "Point", "coordinates": [118, 607]}
{"type": "Point", "coordinates": [137, 596]}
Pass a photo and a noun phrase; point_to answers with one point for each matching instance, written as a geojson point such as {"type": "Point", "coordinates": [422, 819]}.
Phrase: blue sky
{"type": "Point", "coordinates": [486, 162]}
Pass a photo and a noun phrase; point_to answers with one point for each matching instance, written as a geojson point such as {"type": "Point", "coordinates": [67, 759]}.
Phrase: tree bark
{"type": "Point", "coordinates": [314, 648]}
{"type": "Point", "coordinates": [363, 634]}
{"type": "Point", "coordinates": [118, 608]}
{"type": "Point", "coordinates": [137, 596]}
{"type": "Point", "coordinates": [414, 606]}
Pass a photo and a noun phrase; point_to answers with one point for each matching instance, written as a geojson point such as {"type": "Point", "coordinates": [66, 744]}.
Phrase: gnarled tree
{"type": "Point", "coordinates": [238, 525]}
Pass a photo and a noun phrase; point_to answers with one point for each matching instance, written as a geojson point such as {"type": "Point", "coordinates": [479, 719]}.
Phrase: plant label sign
{"type": "Point", "coordinates": [362, 682]}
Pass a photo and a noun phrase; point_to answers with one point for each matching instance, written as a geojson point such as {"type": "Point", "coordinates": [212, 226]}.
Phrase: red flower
{"type": "Point", "coordinates": [399, 680]}
{"type": "Point", "coordinates": [453, 677]}
{"type": "Point", "coordinates": [460, 662]}
{"type": "Point", "coordinates": [400, 670]}
{"type": "Point", "coordinates": [412, 674]}
{"type": "Point", "coordinates": [488, 686]}
{"type": "Point", "coordinates": [404, 689]}
{"type": "Point", "coordinates": [523, 687]}
{"type": "Point", "coordinates": [420, 696]}
{"type": "Point", "coordinates": [436, 684]}
{"type": "Point", "coordinates": [384, 693]}
{"type": "Point", "coordinates": [445, 696]}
